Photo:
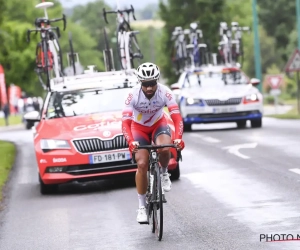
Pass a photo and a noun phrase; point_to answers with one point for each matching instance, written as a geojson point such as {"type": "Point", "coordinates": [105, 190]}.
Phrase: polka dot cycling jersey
{"type": "Point", "coordinates": [147, 112]}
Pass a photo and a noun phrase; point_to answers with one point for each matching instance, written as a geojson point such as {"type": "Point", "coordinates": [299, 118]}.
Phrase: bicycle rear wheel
{"type": "Point", "coordinates": [134, 50]}
{"type": "Point", "coordinates": [157, 205]}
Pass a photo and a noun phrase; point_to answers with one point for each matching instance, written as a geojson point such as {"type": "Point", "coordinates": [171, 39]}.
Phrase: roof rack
{"type": "Point", "coordinates": [92, 78]}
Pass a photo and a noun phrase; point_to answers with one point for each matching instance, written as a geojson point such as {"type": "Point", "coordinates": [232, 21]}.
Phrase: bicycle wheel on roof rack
{"type": "Point", "coordinates": [120, 48]}
{"type": "Point", "coordinates": [42, 65]}
{"type": "Point", "coordinates": [59, 54]}
{"type": "Point", "coordinates": [241, 55]}
{"type": "Point", "coordinates": [72, 54]}
{"type": "Point", "coordinates": [107, 53]}
{"type": "Point", "coordinates": [134, 50]}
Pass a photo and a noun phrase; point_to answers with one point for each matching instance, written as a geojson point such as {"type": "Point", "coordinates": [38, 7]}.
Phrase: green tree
{"type": "Point", "coordinates": [180, 13]}
{"type": "Point", "coordinates": [279, 20]}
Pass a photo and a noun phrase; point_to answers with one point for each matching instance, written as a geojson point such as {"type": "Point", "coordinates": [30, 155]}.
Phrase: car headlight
{"type": "Point", "coordinates": [49, 144]}
{"type": "Point", "coordinates": [192, 101]}
{"type": "Point", "coordinates": [251, 98]}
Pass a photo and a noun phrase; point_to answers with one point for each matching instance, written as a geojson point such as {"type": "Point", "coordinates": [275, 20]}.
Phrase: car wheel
{"type": "Point", "coordinates": [187, 127]}
{"type": "Point", "coordinates": [175, 174]}
{"type": "Point", "coordinates": [241, 124]}
{"type": "Point", "coordinates": [47, 189]}
{"type": "Point", "coordinates": [29, 125]}
{"type": "Point", "coordinates": [257, 123]}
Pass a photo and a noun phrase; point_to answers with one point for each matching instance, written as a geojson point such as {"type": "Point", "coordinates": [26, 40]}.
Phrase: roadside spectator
{"type": "Point", "coordinates": [6, 113]}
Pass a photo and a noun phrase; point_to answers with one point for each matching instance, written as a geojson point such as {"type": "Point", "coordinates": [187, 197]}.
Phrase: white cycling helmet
{"type": "Point", "coordinates": [147, 72]}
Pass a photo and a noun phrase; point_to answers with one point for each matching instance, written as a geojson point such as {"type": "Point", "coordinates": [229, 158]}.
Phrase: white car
{"type": "Point", "coordinates": [218, 94]}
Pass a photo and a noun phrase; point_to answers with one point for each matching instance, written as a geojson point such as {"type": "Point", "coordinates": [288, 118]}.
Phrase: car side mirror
{"type": "Point", "coordinates": [254, 81]}
{"type": "Point", "coordinates": [32, 116]}
{"type": "Point", "coordinates": [175, 86]}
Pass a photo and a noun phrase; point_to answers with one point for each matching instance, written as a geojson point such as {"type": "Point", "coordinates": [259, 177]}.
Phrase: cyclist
{"type": "Point", "coordinates": [143, 122]}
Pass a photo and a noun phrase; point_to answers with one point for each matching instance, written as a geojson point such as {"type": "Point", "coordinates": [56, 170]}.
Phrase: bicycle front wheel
{"type": "Point", "coordinates": [158, 205]}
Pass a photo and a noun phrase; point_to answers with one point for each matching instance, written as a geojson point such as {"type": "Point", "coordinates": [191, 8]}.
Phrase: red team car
{"type": "Point", "coordinates": [79, 135]}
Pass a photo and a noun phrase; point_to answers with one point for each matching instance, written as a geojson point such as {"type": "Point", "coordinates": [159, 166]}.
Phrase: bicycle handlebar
{"type": "Point", "coordinates": [41, 30]}
{"type": "Point", "coordinates": [38, 21]}
{"type": "Point", "coordinates": [128, 11]}
{"type": "Point", "coordinates": [149, 147]}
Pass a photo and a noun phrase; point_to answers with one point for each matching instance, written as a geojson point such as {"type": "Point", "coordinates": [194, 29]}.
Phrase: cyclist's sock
{"type": "Point", "coordinates": [164, 170]}
{"type": "Point", "coordinates": [142, 200]}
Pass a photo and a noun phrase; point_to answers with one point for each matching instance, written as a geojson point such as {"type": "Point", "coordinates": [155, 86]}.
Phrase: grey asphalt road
{"type": "Point", "coordinates": [235, 185]}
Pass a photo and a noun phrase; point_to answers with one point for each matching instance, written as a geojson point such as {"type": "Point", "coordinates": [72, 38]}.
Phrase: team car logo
{"type": "Point", "coordinates": [98, 126]}
{"type": "Point", "coordinates": [106, 133]}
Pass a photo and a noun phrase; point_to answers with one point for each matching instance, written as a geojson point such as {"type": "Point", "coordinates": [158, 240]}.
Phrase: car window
{"type": "Point", "coordinates": [83, 102]}
{"type": "Point", "coordinates": [214, 79]}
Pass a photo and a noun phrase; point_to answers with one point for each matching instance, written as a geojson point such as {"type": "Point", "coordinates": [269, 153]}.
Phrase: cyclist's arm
{"type": "Point", "coordinates": [174, 113]}
{"type": "Point", "coordinates": [127, 118]}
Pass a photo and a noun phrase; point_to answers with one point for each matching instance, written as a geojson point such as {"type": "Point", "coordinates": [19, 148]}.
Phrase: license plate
{"type": "Point", "coordinates": [225, 110]}
{"type": "Point", "coordinates": [109, 157]}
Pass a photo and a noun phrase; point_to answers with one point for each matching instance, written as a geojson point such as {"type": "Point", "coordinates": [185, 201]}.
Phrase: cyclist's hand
{"type": "Point", "coordinates": [133, 146]}
{"type": "Point", "coordinates": [179, 144]}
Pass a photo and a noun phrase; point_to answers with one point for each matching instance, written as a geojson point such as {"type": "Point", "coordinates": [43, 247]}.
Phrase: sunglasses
{"type": "Point", "coordinates": [149, 84]}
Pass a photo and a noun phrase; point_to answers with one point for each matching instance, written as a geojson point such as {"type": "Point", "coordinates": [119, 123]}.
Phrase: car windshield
{"type": "Point", "coordinates": [214, 79]}
{"type": "Point", "coordinates": [84, 102]}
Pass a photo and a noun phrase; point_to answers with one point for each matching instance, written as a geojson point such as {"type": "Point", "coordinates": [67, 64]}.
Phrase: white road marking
{"type": "Point", "coordinates": [206, 138]}
{"type": "Point", "coordinates": [295, 170]}
{"type": "Point", "coordinates": [234, 149]}
{"type": "Point", "coordinates": [252, 202]}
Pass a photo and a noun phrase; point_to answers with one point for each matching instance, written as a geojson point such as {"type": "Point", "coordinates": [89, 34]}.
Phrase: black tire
{"type": "Point", "coordinates": [118, 50]}
{"type": "Point", "coordinates": [241, 124]}
{"type": "Point", "coordinates": [60, 57]}
{"type": "Point", "coordinates": [133, 43]}
{"type": "Point", "coordinates": [47, 189]}
{"type": "Point", "coordinates": [29, 125]}
{"type": "Point", "coordinates": [107, 52]}
{"type": "Point", "coordinates": [175, 174]}
{"type": "Point", "coordinates": [241, 55]}
{"type": "Point", "coordinates": [257, 123]}
{"type": "Point", "coordinates": [46, 68]}
{"type": "Point", "coordinates": [187, 127]}
{"type": "Point", "coordinates": [72, 53]}
{"type": "Point", "coordinates": [158, 207]}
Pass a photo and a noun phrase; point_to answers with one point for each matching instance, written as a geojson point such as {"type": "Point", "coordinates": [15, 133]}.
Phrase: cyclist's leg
{"type": "Point", "coordinates": [141, 135]}
{"type": "Point", "coordinates": [162, 135]}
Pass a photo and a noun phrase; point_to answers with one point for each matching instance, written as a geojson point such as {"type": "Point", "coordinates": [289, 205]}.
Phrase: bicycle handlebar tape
{"type": "Point", "coordinates": [104, 15]}
{"type": "Point", "coordinates": [65, 21]}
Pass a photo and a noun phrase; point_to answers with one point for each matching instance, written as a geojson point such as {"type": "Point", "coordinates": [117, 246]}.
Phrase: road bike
{"type": "Point", "coordinates": [155, 196]}
{"type": "Point", "coordinates": [49, 62]}
{"type": "Point", "coordinates": [127, 44]}
{"type": "Point", "coordinates": [196, 49]}
{"type": "Point", "coordinates": [179, 50]}
{"type": "Point", "coordinates": [231, 44]}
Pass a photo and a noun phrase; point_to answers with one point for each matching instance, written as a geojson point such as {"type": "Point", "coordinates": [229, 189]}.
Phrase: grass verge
{"type": "Point", "coordinates": [292, 114]}
{"type": "Point", "coordinates": [7, 157]}
{"type": "Point", "coordinates": [12, 120]}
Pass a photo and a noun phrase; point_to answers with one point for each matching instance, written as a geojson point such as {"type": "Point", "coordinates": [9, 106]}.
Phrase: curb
{"type": "Point", "coordinates": [12, 127]}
